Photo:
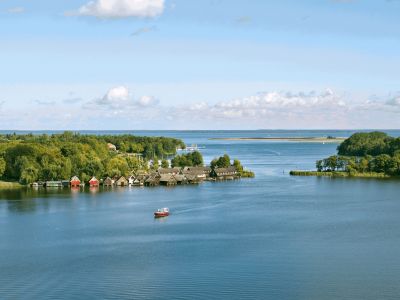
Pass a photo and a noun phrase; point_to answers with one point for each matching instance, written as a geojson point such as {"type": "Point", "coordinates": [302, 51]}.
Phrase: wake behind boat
{"type": "Point", "coordinates": [161, 212]}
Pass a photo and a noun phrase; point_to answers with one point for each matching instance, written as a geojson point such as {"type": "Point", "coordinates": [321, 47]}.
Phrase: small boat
{"type": "Point", "coordinates": [161, 212]}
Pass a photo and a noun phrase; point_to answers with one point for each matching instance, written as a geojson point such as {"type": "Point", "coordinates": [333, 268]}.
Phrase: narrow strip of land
{"type": "Point", "coordinates": [285, 139]}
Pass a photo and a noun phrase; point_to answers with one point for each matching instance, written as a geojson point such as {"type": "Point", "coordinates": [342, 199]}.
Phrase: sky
{"type": "Point", "coordinates": [191, 64]}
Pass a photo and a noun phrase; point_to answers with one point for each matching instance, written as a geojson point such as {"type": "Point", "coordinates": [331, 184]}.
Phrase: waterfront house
{"type": "Point", "coordinates": [152, 180]}
{"type": "Point", "coordinates": [168, 180]}
{"type": "Point", "coordinates": [122, 181]}
{"type": "Point", "coordinates": [94, 181]}
{"type": "Point", "coordinates": [225, 173]}
{"type": "Point", "coordinates": [180, 179]}
{"type": "Point", "coordinates": [139, 180]}
{"type": "Point", "coordinates": [169, 171]}
{"type": "Point", "coordinates": [206, 171]}
{"type": "Point", "coordinates": [53, 184]}
{"type": "Point", "coordinates": [197, 173]}
{"type": "Point", "coordinates": [108, 182]}
{"type": "Point", "coordinates": [74, 182]}
{"type": "Point", "coordinates": [65, 183]}
{"type": "Point", "coordinates": [192, 178]}
{"type": "Point", "coordinates": [131, 179]}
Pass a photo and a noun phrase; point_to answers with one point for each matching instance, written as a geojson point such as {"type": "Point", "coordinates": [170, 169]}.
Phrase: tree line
{"type": "Point", "coordinates": [28, 158]}
{"type": "Point", "coordinates": [365, 152]}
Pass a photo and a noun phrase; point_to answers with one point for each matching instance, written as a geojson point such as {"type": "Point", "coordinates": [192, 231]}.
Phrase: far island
{"type": "Point", "coordinates": [74, 160]}
{"type": "Point", "coordinates": [370, 154]}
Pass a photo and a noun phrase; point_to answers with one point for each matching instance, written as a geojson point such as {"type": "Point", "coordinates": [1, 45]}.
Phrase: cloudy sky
{"type": "Point", "coordinates": [199, 64]}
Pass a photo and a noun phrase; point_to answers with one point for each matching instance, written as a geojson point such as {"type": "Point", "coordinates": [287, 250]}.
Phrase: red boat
{"type": "Point", "coordinates": [162, 212]}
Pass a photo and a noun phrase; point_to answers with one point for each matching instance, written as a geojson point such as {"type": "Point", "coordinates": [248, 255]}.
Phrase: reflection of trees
{"type": "Point", "coordinates": [31, 199]}
{"type": "Point", "coordinates": [18, 200]}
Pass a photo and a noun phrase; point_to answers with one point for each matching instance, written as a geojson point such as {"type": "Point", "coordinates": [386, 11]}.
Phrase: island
{"type": "Point", "coordinates": [364, 154]}
{"type": "Point", "coordinates": [72, 160]}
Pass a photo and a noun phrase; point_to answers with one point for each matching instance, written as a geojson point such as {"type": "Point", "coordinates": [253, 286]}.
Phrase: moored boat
{"type": "Point", "coordinates": [161, 212]}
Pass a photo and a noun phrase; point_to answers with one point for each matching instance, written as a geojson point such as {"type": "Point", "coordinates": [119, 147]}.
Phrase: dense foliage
{"type": "Point", "coordinates": [27, 158]}
{"type": "Point", "coordinates": [191, 159]}
{"type": "Point", "coordinates": [225, 162]}
{"type": "Point", "coordinates": [369, 143]}
{"type": "Point", "coordinates": [365, 152]}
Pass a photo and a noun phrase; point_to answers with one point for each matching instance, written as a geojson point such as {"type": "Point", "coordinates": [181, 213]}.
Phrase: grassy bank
{"type": "Point", "coordinates": [339, 174]}
{"type": "Point", "coordinates": [4, 185]}
{"type": "Point", "coordinates": [247, 174]}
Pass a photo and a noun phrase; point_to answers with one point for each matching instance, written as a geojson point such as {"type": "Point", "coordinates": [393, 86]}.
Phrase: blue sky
{"type": "Point", "coordinates": [210, 64]}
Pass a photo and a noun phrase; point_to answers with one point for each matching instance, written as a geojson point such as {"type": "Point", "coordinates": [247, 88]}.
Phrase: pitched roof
{"type": "Point", "coordinates": [168, 170]}
{"type": "Point", "coordinates": [167, 178]}
{"type": "Point", "coordinates": [122, 178]}
{"type": "Point", "coordinates": [75, 178]}
{"type": "Point", "coordinates": [230, 169]}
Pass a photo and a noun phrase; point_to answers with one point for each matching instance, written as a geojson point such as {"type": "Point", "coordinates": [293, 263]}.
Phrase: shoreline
{"type": "Point", "coordinates": [10, 185]}
{"type": "Point", "coordinates": [286, 139]}
{"type": "Point", "coordinates": [339, 174]}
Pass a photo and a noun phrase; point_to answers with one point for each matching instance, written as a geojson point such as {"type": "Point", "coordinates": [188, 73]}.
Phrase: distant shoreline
{"type": "Point", "coordinates": [286, 139]}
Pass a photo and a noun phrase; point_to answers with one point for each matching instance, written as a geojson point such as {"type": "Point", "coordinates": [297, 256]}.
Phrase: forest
{"type": "Point", "coordinates": [365, 152]}
{"type": "Point", "coordinates": [27, 158]}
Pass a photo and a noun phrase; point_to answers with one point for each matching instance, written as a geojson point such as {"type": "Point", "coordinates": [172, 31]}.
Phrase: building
{"type": "Point", "coordinates": [122, 181]}
{"type": "Point", "coordinates": [108, 182]}
{"type": "Point", "coordinates": [167, 180]}
{"type": "Point", "coordinates": [199, 172]}
{"type": "Point", "coordinates": [74, 182]}
{"type": "Point", "coordinates": [206, 171]}
{"type": "Point", "coordinates": [180, 179]}
{"type": "Point", "coordinates": [53, 184]}
{"type": "Point", "coordinates": [152, 180]}
{"type": "Point", "coordinates": [169, 171]}
{"type": "Point", "coordinates": [225, 173]}
{"type": "Point", "coordinates": [94, 181]}
{"type": "Point", "coordinates": [65, 183]}
{"type": "Point", "coordinates": [131, 179]}
{"type": "Point", "coordinates": [192, 179]}
{"type": "Point", "coordinates": [139, 180]}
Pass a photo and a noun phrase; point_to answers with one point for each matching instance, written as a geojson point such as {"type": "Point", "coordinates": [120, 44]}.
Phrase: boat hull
{"type": "Point", "coordinates": [161, 214]}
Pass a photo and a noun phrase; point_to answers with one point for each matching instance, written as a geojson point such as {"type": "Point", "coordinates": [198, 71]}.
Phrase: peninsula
{"type": "Point", "coordinates": [73, 159]}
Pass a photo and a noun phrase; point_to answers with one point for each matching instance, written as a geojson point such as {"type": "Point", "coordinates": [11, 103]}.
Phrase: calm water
{"type": "Point", "coordinates": [272, 237]}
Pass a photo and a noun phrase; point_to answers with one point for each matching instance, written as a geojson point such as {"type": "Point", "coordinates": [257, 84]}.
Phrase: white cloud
{"type": "Point", "coordinates": [272, 103]}
{"type": "Point", "coordinates": [147, 101]}
{"type": "Point", "coordinates": [119, 100]}
{"type": "Point", "coordinates": [277, 109]}
{"type": "Point", "coordinates": [117, 97]}
{"type": "Point", "coordinates": [122, 8]}
{"type": "Point", "coordinates": [16, 10]}
{"type": "Point", "coordinates": [395, 101]}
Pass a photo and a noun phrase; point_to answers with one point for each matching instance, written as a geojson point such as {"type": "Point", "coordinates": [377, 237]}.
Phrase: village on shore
{"type": "Point", "coordinates": [161, 176]}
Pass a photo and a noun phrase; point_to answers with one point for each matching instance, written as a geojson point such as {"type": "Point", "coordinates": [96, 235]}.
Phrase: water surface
{"type": "Point", "coordinates": [272, 237]}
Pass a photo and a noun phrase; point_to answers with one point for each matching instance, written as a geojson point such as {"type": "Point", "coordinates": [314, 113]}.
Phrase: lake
{"type": "Point", "coordinates": [271, 237]}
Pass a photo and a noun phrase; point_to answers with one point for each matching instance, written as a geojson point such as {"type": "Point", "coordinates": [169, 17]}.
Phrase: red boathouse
{"type": "Point", "coordinates": [75, 181]}
{"type": "Point", "coordinates": [94, 181]}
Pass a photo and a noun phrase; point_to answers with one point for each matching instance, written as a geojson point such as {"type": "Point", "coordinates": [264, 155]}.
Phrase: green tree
{"type": "Point", "coordinates": [2, 166]}
{"type": "Point", "coordinates": [238, 166]}
{"type": "Point", "coordinates": [319, 165]}
{"type": "Point", "coordinates": [117, 166]}
{"type": "Point", "coordinates": [164, 163]}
